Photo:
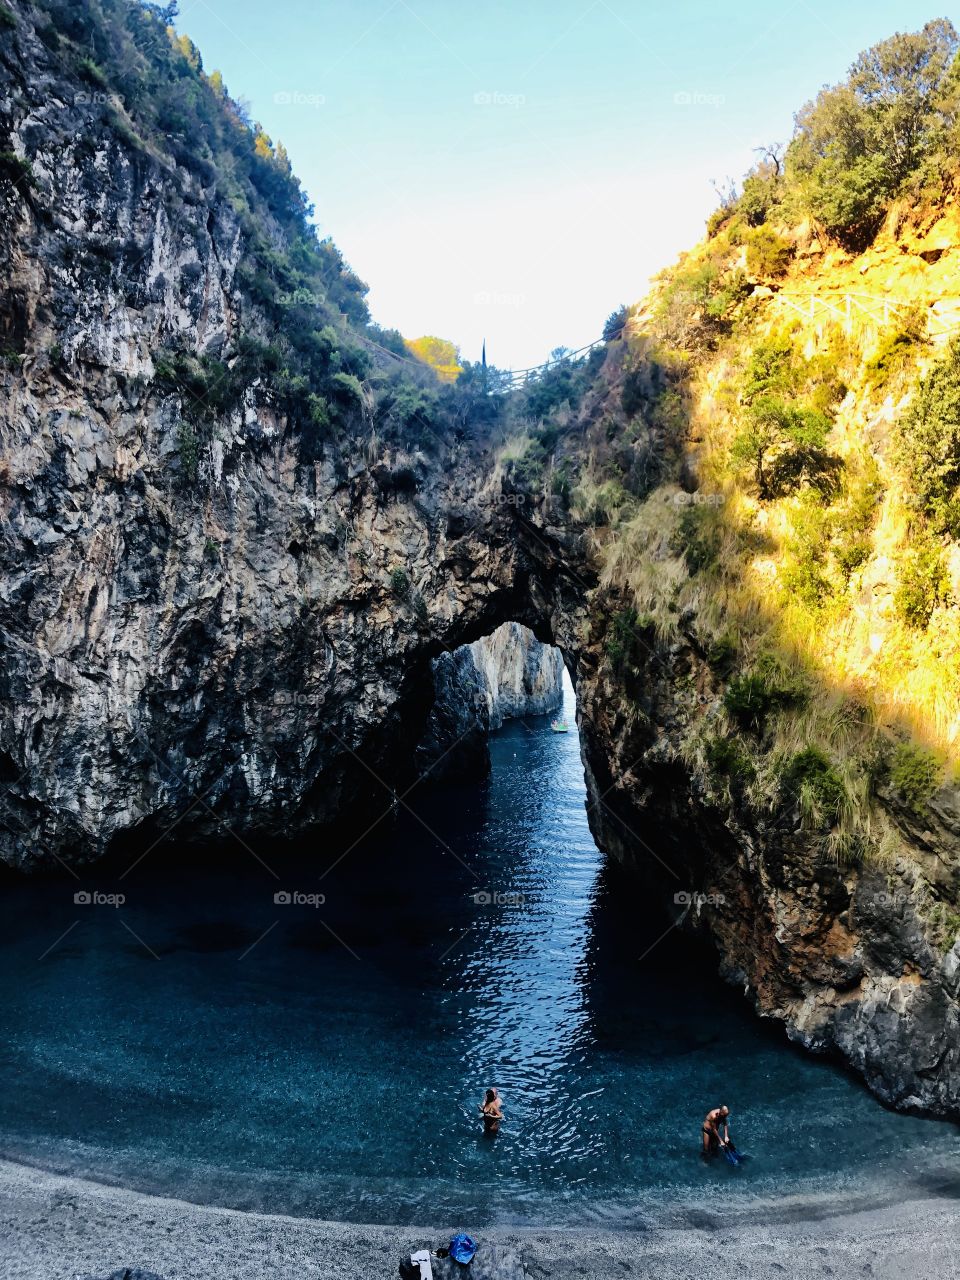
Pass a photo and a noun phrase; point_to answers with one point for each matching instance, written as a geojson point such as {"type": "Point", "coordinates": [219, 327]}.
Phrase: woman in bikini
{"type": "Point", "coordinates": [492, 1111]}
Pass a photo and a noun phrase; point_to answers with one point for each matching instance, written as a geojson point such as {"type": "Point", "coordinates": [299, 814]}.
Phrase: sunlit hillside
{"type": "Point", "coordinates": [770, 458]}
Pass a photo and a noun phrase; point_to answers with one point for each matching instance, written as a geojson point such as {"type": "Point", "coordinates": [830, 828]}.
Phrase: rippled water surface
{"type": "Point", "coordinates": [205, 1041]}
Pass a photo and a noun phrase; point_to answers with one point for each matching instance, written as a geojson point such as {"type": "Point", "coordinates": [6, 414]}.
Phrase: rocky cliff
{"type": "Point", "coordinates": [232, 546]}
{"type": "Point", "coordinates": [521, 676]}
{"type": "Point", "coordinates": [498, 677]}
{"type": "Point", "coordinates": [849, 956]}
{"type": "Point", "coordinates": [202, 623]}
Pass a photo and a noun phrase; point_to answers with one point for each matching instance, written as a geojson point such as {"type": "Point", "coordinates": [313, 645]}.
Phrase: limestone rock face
{"type": "Point", "coordinates": [223, 653]}
{"type": "Point", "coordinates": [478, 686]}
{"type": "Point", "coordinates": [522, 677]}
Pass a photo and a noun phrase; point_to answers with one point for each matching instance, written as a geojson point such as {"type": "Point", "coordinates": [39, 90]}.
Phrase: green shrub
{"type": "Point", "coordinates": [562, 383]}
{"type": "Point", "coordinates": [922, 583]}
{"type": "Point", "coordinates": [16, 169]}
{"type": "Point", "coordinates": [699, 299]}
{"type": "Point", "coordinates": [616, 323]}
{"type": "Point", "coordinates": [944, 922]}
{"type": "Point", "coordinates": [399, 582]}
{"type": "Point", "coordinates": [561, 484]}
{"type": "Point", "coordinates": [528, 471]}
{"type": "Point", "coordinates": [812, 779]}
{"type": "Point", "coordinates": [856, 146]}
{"type": "Point", "coordinates": [408, 412]}
{"type": "Point", "coordinates": [624, 644]}
{"type": "Point", "coordinates": [768, 254]}
{"type": "Point", "coordinates": [805, 581]}
{"type": "Point", "coordinates": [319, 411]}
{"type": "Point", "coordinates": [347, 387]}
{"type": "Point", "coordinates": [316, 429]}
{"type": "Point", "coordinates": [728, 758]}
{"type": "Point", "coordinates": [92, 72]}
{"type": "Point", "coordinates": [850, 524]}
{"type": "Point", "coordinates": [759, 197]}
{"type": "Point", "coordinates": [697, 538]}
{"type": "Point", "coordinates": [719, 218]}
{"type": "Point", "coordinates": [722, 654]}
{"type": "Point", "coordinates": [851, 556]}
{"type": "Point", "coordinates": [849, 195]}
{"type": "Point", "coordinates": [747, 700]}
{"type": "Point", "coordinates": [771, 370]}
{"type": "Point", "coordinates": [783, 446]}
{"type": "Point", "coordinates": [805, 576]}
{"type": "Point", "coordinates": [892, 355]}
{"type": "Point", "coordinates": [825, 388]}
{"type": "Point", "coordinates": [751, 698]}
{"type": "Point", "coordinates": [207, 386]}
{"type": "Point", "coordinates": [188, 446]}
{"type": "Point", "coordinates": [7, 18]}
{"type": "Point", "coordinates": [928, 444]}
{"type": "Point", "coordinates": [731, 289]}
{"type": "Point", "coordinates": [610, 499]}
{"type": "Point", "coordinates": [915, 774]}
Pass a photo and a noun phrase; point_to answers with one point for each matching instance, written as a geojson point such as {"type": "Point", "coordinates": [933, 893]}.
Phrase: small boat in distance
{"type": "Point", "coordinates": [559, 725]}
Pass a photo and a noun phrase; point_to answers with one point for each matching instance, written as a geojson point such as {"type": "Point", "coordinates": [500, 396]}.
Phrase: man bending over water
{"type": "Point", "coordinates": [716, 1130]}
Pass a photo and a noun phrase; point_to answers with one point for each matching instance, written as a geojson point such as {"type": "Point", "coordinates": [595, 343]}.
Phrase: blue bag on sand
{"type": "Point", "coordinates": [462, 1247]}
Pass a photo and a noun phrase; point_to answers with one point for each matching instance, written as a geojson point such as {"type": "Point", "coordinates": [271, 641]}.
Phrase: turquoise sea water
{"type": "Point", "coordinates": [206, 1041]}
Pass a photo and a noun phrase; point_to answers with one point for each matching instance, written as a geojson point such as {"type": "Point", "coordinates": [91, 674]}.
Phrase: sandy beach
{"type": "Point", "coordinates": [59, 1228]}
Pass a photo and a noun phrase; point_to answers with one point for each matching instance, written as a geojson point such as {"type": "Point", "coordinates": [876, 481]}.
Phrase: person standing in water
{"type": "Point", "coordinates": [492, 1111]}
{"type": "Point", "coordinates": [716, 1131]}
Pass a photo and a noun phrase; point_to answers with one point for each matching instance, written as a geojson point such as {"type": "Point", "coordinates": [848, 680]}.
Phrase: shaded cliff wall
{"type": "Point", "coordinates": [199, 632]}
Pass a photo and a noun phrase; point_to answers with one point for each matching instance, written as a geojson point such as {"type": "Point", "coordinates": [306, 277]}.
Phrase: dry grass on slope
{"type": "Point", "coordinates": [819, 574]}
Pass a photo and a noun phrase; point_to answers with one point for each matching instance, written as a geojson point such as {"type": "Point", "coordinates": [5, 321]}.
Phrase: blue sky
{"type": "Point", "coordinates": [515, 171]}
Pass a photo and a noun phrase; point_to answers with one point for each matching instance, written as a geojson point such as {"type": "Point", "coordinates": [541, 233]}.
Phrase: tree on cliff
{"type": "Point", "coordinates": [439, 354]}
{"type": "Point", "coordinates": [858, 142]}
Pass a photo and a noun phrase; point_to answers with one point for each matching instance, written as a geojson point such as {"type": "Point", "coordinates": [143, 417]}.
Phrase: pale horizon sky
{"type": "Point", "coordinates": [515, 171]}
